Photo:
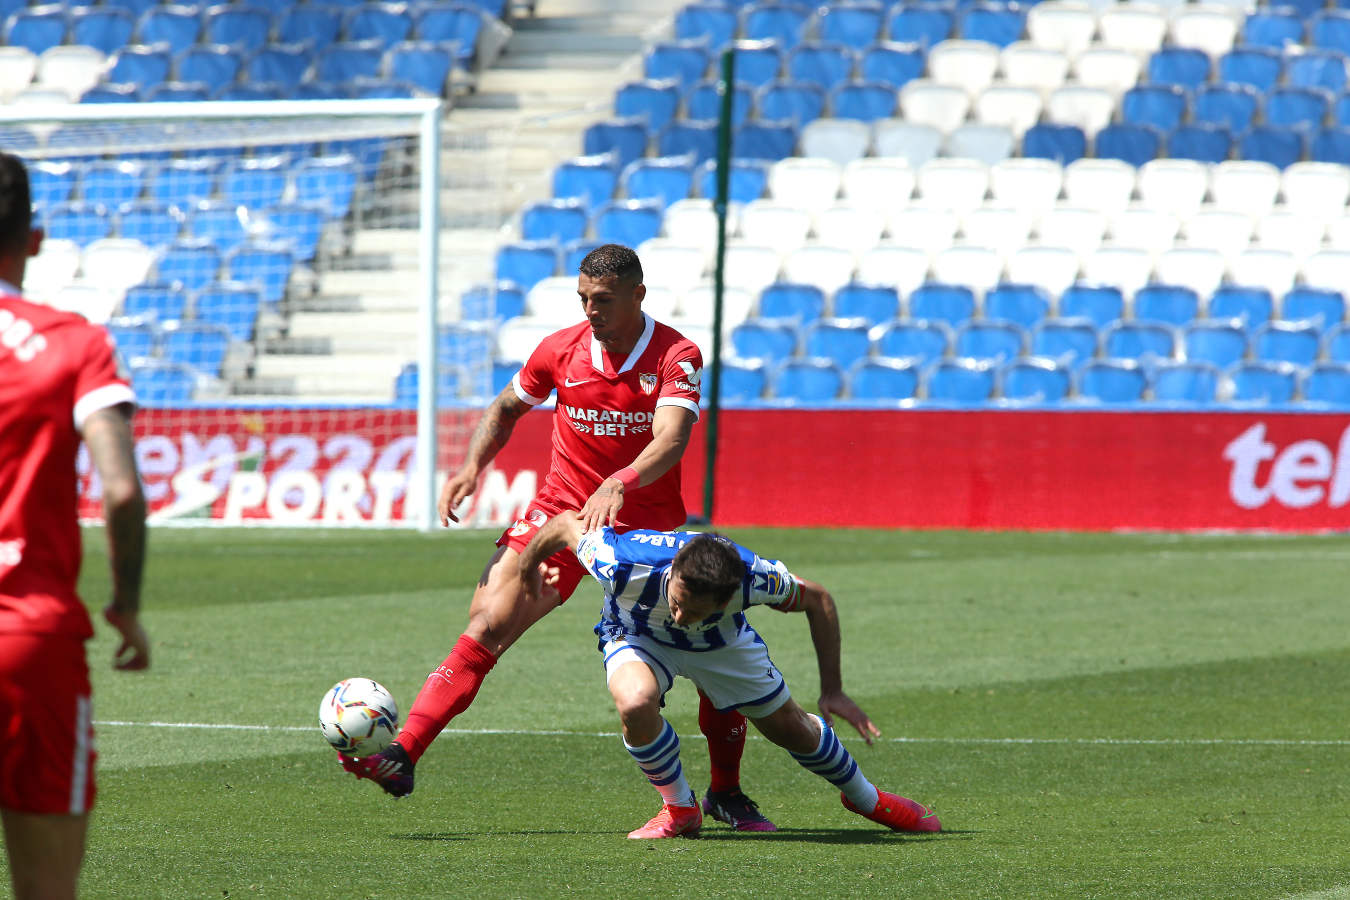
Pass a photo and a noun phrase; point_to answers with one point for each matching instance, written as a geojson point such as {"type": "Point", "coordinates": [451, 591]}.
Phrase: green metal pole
{"type": "Point", "coordinates": [720, 205]}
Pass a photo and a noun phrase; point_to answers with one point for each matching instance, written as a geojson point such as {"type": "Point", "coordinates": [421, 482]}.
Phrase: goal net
{"type": "Point", "coordinates": [268, 271]}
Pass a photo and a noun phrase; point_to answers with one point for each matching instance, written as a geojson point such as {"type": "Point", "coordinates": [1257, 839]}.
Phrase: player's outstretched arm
{"type": "Point", "coordinates": [107, 432]}
{"type": "Point", "coordinates": [563, 530]}
{"type": "Point", "coordinates": [491, 435]}
{"type": "Point", "coordinates": [671, 428]}
{"type": "Point", "coordinates": [823, 617]}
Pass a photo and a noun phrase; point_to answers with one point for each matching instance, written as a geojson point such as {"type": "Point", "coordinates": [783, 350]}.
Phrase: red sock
{"type": "Point", "coordinates": [725, 732]}
{"type": "Point", "coordinates": [448, 691]}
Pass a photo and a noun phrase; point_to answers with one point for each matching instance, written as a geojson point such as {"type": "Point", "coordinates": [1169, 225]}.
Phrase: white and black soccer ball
{"type": "Point", "coordinates": [358, 716]}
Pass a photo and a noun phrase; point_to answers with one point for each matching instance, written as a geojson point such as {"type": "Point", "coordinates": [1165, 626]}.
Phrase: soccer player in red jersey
{"type": "Point", "coordinates": [627, 399]}
{"type": "Point", "coordinates": [59, 383]}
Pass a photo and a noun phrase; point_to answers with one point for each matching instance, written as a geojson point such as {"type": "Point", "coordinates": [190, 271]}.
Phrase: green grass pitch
{"type": "Point", "coordinates": [1091, 715]}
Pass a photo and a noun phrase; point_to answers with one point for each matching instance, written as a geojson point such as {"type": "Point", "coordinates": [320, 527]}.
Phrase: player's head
{"type": "Point", "coordinates": [705, 574]}
{"type": "Point", "coordinates": [610, 286]}
{"type": "Point", "coordinates": [16, 208]}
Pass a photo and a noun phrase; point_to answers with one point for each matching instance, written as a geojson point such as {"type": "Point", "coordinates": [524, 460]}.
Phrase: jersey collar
{"type": "Point", "coordinates": [598, 351]}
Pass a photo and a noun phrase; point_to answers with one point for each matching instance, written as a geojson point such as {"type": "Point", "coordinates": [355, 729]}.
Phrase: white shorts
{"type": "Point", "coordinates": [737, 676]}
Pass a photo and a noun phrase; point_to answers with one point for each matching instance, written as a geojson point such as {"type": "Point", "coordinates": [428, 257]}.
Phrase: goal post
{"type": "Point", "coordinates": [218, 240]}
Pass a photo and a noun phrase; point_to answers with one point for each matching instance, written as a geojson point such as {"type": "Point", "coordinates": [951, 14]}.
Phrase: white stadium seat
{"type": "Point", "coordinates": [697, 304]}
{"type": "Point", "coordinates": [1105, 184]}
{"type": "Point", "coordinates": [978, 268]}
{"type": "Point", "coordinates": [826, 266]}
{"type": "Point", "coordinates": [71, 68]}
{"type": "Point", "coordinates": [1283, 229]}
{"type": "Point", "coordinates": [750, 266]}
{"type": "Point", "coordinates": [1138, 225]}
{"type": "Point", "coordinates": [926, 226]}
{"type": "Point", "coordinates": [671, 263]}
{"type": "Point", "coordinates": [116, 263]}
{"type": "Point", "coordinates": [840, 140]}
{"type": "Point", "coordinates": [900, 266]}
{"type": "Point", "coordinates": [660, 302]}
{"type": "Point", "coordinates": [1176, 185]}
{"type": "Point", "coordinates": [18, 65]}
{"type": "Point", "coordinates": [958, 183]}
{"type": "Point", "coordinates": [1138, 27]}
{"type": "Point", "coordinates": [53, 268]}
{"type": "Point", "coordinates": [810, 184]}
{"type": "Point", "coordinates": [1024, 64]}
{"type": "Point", "coordinates": [988, 144]}
{"type": "Point", "coordinates": [1111, 68]}
{"type": "Point", "coordinates": [1088, 108]}
{"type": "Point", "coordinates": [912, 142]}
{"type": "Point", "coordinates": [517, 337]}
{"type": "Point", "coordinates": [1247, 185]}
{"type": "Point", "coordinates": [1316, 189]}
{"type": "Point", "coordinates": [1004, 228]}
{"type": "Point", "coordinates": [1013, 107]}
{"type": "Point", "coordinates": [881, 182]}
{"type": "Point", "coordinates": [1328, 269]}
{"type": "Point", "coordinates": [928, 103]}
{"type": "Point", "coordinates": [1274, 270]}
{"type": "Point", "coordinates": [1125, 267]}
{"type": "Point", "coordinates": [1079, 228]}
{"type": "Point", "coordinates": [1027, 182]}
{"type": "Point", "coordinates": [1224, 230]}
{"type": "Point", "coordinates": [1061, 25]}
{"type": "Point", "coordinates": [554, 301]}
{"type": "Point", "coordinates": [96, 302]}
{"type": "Point", "coordinates": [850, 225]}
{"type": "Point", "coordinates": [1208, 27]}
{"type": "Point", "coordinates": [693, 221]}
{"type": "Point", "coordinates": [1053, 268]}
{"type": "Point", "coordinates": [774, 224]}
{"type": "Point", "coordinates": [969, 65]}
{"type": "Point", "coordinates": [1198, 268]}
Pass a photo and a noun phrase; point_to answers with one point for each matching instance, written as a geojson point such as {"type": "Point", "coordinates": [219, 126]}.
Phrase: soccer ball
{"type": "Point", "coordinates": [358, 716]}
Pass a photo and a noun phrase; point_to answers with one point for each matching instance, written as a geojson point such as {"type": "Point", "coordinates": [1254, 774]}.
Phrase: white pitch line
{"type": "Point", "coordinates": [1105, 741]}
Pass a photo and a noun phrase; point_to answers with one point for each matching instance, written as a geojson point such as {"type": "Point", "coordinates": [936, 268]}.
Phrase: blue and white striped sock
{"type": "Point", "coordinates": [660, 762]}
{"type": "Point", "coordinates": [837, 766]}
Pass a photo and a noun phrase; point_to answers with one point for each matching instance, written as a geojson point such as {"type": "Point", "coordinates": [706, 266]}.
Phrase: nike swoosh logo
{"type": "Point", "coordinates": [567, 382]}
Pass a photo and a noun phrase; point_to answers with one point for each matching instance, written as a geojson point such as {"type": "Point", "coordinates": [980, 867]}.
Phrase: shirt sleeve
{"type": "Point", "coordinates": [535, 380]}
{"type": "Point", "coordinates": [682, 377]}
{"type": "Point", "coordinates": [99, 383]}
{"type": "Point", "coordinates": [596, 551]}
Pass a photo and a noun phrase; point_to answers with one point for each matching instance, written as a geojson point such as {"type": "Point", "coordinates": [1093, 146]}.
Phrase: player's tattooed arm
{"type": "Point", "coordinates": [563, 530]}
{"type": "Point", "coordinates": [489, 437]}
{"type": "Point", "coordinates": [671, 428]}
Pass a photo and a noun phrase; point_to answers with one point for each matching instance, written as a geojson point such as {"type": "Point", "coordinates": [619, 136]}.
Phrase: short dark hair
{"type": "Point", "coordinates": [613, 261]}
{"type": "Point", "coordinates": [16, 204]}
{"type": "Point", "coordinates": [710, 566]}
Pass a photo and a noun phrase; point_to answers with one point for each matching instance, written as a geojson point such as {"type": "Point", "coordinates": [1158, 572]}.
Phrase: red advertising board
{"type": "Point", "coordinates": [999, 469]}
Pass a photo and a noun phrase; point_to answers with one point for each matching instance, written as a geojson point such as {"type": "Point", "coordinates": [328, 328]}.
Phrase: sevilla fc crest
{"type": "Point", "coordinates": [647, 382]}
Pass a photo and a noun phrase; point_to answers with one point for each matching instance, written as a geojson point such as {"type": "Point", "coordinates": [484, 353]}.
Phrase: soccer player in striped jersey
{"type": "Point", "coordinates": [675, 604]}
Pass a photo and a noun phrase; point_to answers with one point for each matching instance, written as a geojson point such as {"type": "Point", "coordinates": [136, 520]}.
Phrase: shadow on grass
{"type": "Point", "coordinates": [782, 835]}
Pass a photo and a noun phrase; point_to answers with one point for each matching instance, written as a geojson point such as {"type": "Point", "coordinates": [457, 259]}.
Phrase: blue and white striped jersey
{"type": "Point", "coordinates": [634, 569]}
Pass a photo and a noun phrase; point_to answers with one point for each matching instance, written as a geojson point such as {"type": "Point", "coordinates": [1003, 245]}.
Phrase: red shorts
{"type": "Point", "coordinates": [47, 753]}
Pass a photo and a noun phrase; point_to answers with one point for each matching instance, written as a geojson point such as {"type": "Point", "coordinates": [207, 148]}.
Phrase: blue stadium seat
{"type": "Point", "coordinates": [112, 93]}
{"type": "Point", "coordinates": [1323, 306]}
{"type": "Point", "coordinates": [808, 380]}
{"type": "Point", "coordinates": [497, 301]}
{"type": "Point", "coordinates": [246, 27]}
{"type": "Point", "coordinates": [716, 24]}
{"type": "Point", "coordinates": [1022, 304]}
{"type": "Point", "coordinates": [329, 181]}
{"type": "Point", "coordinates": [684, 61]}
{"type": "Point", "coordinates": [179, 26]}
{"type": "Point", "coordinates": [746, 181]}
{"type": "Point", "coordinates": [1277, 145]}
{"type": "Point", "coordinates": [949, 303]}
{"type": "Point", "coordinates": [459, 23]}
{"type": "Point", "coordinates": [757, 62]}
{"type": "Point", "coordinates": [38, 28]}
{"type": "Point", "coordinates": [230, 304]}
{"type": "Point", "coordinates": [105, 28]}
{"type": "Point", "coordinates": [309, 23]}
{"type": "Point", "coordinates": [853, 24]}
{"type": "Point", "coordinates": [1069, 341]}
{"type": "Point", "coordinates": [876, 303]}
{"type": "Point", "coordinates": [625, 138]}
{"type": "Point", "coordinates": [998, 24]}
{"type": "Point", "coordinates": [573, 252]}
{"type": "Point", "coordinates": [1264, 382]}
{"type": "Point", "coordinates": [1202, 143]}
{"type": "Point", "coordinates": [627, 222]}
{"type": "Point", "coordinates": [1061, 143]}
{"type": "Point", "coordinates": [162, 301]}
{"type": "Point", "coordinates": [136, 337]}
{"type": "Point", "coordinates": [200, 345]}
{"type": "Point", "coordinates": [1297, 107]}
{"type": "Point", "coordinates": [183, 182]}
{"type": "Point", "coordinates": [795, 102]}
{"type": "Point", "coordinates": [656, 101]}
{"type": "Point", "coordinates": [1231, 106]}
{"type": "Point", "coordinates": [465, 343]}
{"type": "Point", "coordinates": [214, 65]}
{"type": "Point", "coordinates": [112, 183]}
{"type": "Point", "coordinates": [554, 220]}
{"type": "Point", "coordinates": [1161, 105]}
{"type": "Point", "coordinates": [924, 24]}
{"type": "Point", "coordinates": [265, 264]}
{"type": "Point", "coordinates": [1219, 342]}
{"type": "Point", "coordinates": [1323, 69]}
{"type": "Point", "coordinates": [142, 65]}
{"type": "Point", "coordinates": [1330, 145]}
{"type": "Point", "coordinates": [280, 63]}
{"type": "Point", "coordinates": [663, 179]}
{"type": "Point", "coordinates": [767, 339]}
{"type": "Point", "coordinates": [179, 92]}
{"type": "Point", "coordinates": [77, 221]}
{"type": "Point", "coordinates": [388, 23]}
{"type": "Point", "coordinates": [592, 179]}
{"type": "Point", "coordinates": [346, 61]}
{"type": "Point", "coordinates": [50, 182]}
{"type": "Point", "coordinates": [685, 138]}
{"type": "Point", "coordinates": [783, 23]}
{"type": "Point", "coordinates": [1167, 303]}
{"type": "Point", "coordinates": [193, 263]}
{"type": "Point", "coordinates": [866, 101]}
{"type": "Point", "coordinates": [891, 63]}
{"type": "Point", "coordinates": [966, 382]}
{"type": "Point", "coordinates": [424, 64]}
{"type": "Point", "coordinates": [1336, 343]}
{"type": "Point", "coordinates": [1272, 26]}
{"type": "Point", "coordinates": [152, 223]}
{"type": "Point", "coordinates": [802, 303]}
{"type": "Point", "coordinates": [1330, 28]}
{"type": "Point", "coordinates": [299, 224]}
{"type": "Point", "coordinates": [884, 378]}
{"type": "Point", "coordinates": [703, 101]}
{"type": "Point", "coordinates": [922, 340]}
{"type": "Point", "coordinates": [742, 380]}
{"type": "Point", "coordinates": [159, 382]}
{"type": "Point", "coordinates": [1280, 341]}
{"type": "Point", "coordinates": [842, 341]}
{"type": "Point", "coordinates": [1327, 382]}
{"type": "Point", "coordinates": [254, 182]}
{"type": "Point", "coordinates": [1253, 305]}
{"type": "Point", "coordinates": [1185, 67]}
{"type": "Point", "coordinates": [1135, 143]}
{"type": "Point", "coordinates": [1139, 341]}
{"type": "Point", "coordinates": [527, 262]}
{"type": "Point", "coordinates": [1188, 382]}
{"type": "Point", "coordinates": [986, 339]}
{"type": "Point", "coordinates": [1254, 66]}
{"type": "Point", "coordinates": [1035, 379]}
{"type": "Point", "coordinates": [769, 141]}
{"type": "Point", "coordinates": [1112, 381]}
{"type": "Point", "coordinates": [822, 64]}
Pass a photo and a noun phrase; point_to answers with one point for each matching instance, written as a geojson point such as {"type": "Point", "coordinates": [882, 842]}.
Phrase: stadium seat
{"type": "Point", "coordinates": [1273, 27]}
{"type": "Point", "coordinates": [427, 65]}
{"type": "Point", "coordinates": [952, 304]}
{"type": "Point", "coordinates": [591, 179]}
{"type": "Point", "coordinates": [231, 305]}
{"type": "Point", "coordinates": [105, 28]}
{"type": "Point", "coordinates": [1139, 340]}
{"type": "Point", "coordinates": [855, 25]}
{"type": "Point", "coordinates": [958, 184]}
{"type": "Point", "coordinates": [1245, 185]}
{"type": "Point", "coordinates": [223, 223]}
{"type": "Point", "coordinates": [1263, 382]}
{"type": "Point", "coordinates": [1208, 28]}
{"type": "Point", "coordinates": [1034, 380]}
{"type": "Point", "coordinates": [746, 181]}
{"type": "Point", "coordinates": [1297, 107]}
{"type": "Point", "coordinates": [697, 139]}
{"type": "Point", "coordinates": [996, 24]}
{"type": "Point", "coordinates": [345, 61]}
{"type": "Point", "coordinates": [142, 65]}
{"type": "Point", "coordinates": [1022, 304]}
{"type": "Point", "coordinates": [200, 345]}
{"type": "Point", "coordinates": [1219, 342]}
{"type": "Point", "coordinates": [152, 223]}
{"type": "Point", "coordinates": [941, 106]}
{"type": "Point", "coordinates": [965, 382]}
{"type": "Point", "coordinates": [1067, 340]}
{"type": "Point", "coordinates": [78, 221]}
{"type": "Point", "coordinates": [703, 101]}
{"type": "Point", "coordinates": [1189, 382]}
{"type": "Point", "coordinates": [827, 267]}
{"type": "Point", "coordinates": [1111, 381]}
{"type": "Point", "coordinates": [811, 380]}
{"type": "Point", "coordinates": [1162, 106]}
{"type": "Point", "coordinates": [1026, 183]}
{"type": "Point", "coordinates": [1112, 69]}
{"type": "Point", "coordinates": [990, 340]}
{"type": "Point", "coordinates": [877, 182]}
{"type": "Point", "coordinates": [255, 182]}
{"type": "Point", "coordinates": [1330, 145]}
{"type": "Point", "coordinates": [1320, 69]}
{"type": "Point", "coordinates": [968, 265]}
{"type": "Point", "coordinates": [1330, 28]}
{"type": "Point", "coordinates": [1066, 27]}
{"type": "Point", "coordinates": [714, 24]}
{"type": "Point", "coordinates": [1327, 383]}
{"type": "Point", "coordinates": [824, 65]}
{"type": "Point", "coordinates": [1198, 268]}
{"type": "Point", "coordinates": [850, 225]}
{"type": "Point", "coordinates": [1002, 228]}
{"type": "Point", "coordinates": [864, 101]}
{"type": "Point", "coordinates": [161, 301]}
{"type": "Point", "coordinates": [627, 222]}
{"type": "Point", "coordinates": [553, 301]}
{"type": "Point", "coordinates": [1088, 108]}
{"type": "Point", "coordinates": [783, 23]}
{"type": "Point", "coordinates": [1009, 106]}
{"type": "Point", "coordinates": [1172, 304]}
{"type": "Point", "coordinates": [1336, 343]}
{"type": "Point", "coordinates": [497, 301]}
{"type": "Point", "coordinates": [1202, 143]}
{"type": "Point", "coordinates": [923, 25]}
{"type": "Point", "coordinates": [37, 28]}
{"type": "Point", "coordinates": [1230, 106]}
{"type": "Point", "coordinates": [757, 62]}
{"type": "Point", "coordinates": [1321, 305]}
{"type": "Point", "coordinates": [177, 26]}
{"type": "Point", "coordinates": [765, 339]}
{"type": "Point", "coordinates": [54, 267]}
{"type": "Point", "coordinates": [655, 101]}
{"type": "Point", "coordinates": [890, 63]}
{"type": "Point", "coordinates": [875, 303]}
{"type": "Point", "coordinates": [554, 220]}
{"type": "Point", "coordinates": [248, 28]}
{"type": "Point", "coordinates": [1105, 184]}
{"type": "Point", "coordinates": [388, 23]}
{"type": "Point", "coordinates": [159, 383]}
{"type": "Point", "coordinates": [1072, 227]}
{"type": "Point", "coordinates": [801, 303]}
{"type": "Point", "coordinates": [450, 24]}
{"type": "Point", "coordinates": [794, 102]}
{"type": "Point", "coordinates": [983, 142]}
{"type": "Point", "coordinates": [1185, 67]}
{"type": "Point", "coordinates": [884, 378]}
{"type": "Point", "coordinates": [1058, 142]}
{"type": "Point", "coordinates": [1327, 269]}
{"type": "Point", "coordinates": [907, 142]}
{"type": "Point", "coordinates": [919, 339]}
{"type": "Point", "coordinates": [192, 262]}
{"type": "Point", "coordinates": [112, 93]}
{"type": "Point", "coordinates": [214, 65]}
{"type": "Point", "coordinates": [135, 337]}
{"type": "Point", "coordinates": [316, 24]}
{"type": "Point", "coordinates": [1315, 189]}
{"type": "Point", "coordinates": [1135, 144]}
{"type": "Point", "coordinates": [742, 380]}
{"type": "Point", "coordinates": [768, 141]}
{"type": "Point", "coordinates": [751, 267]}
{"type": "Point", "coordinates": [1284, 341]}
{"type": "Point", "coordinates": [527, 262]}
{"type": "Point", "coordinates": [111, 183]}
{"type": "Point", "coordinates": [968, 64]}
{"type": "Point", "coordinates": [1253, 305]}
{"type": "Point", "coordinates": [902, 267]}
{"type": "Point", "coordinates": [842, 341]}
{"type": "Point", "coordinates": [1140, 29]}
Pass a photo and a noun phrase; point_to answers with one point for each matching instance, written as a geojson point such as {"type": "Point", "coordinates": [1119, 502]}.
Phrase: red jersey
{"type": "Point", "coordinates": [604, 413]}
{"type": "Point", "coordinates": [55, 370]}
